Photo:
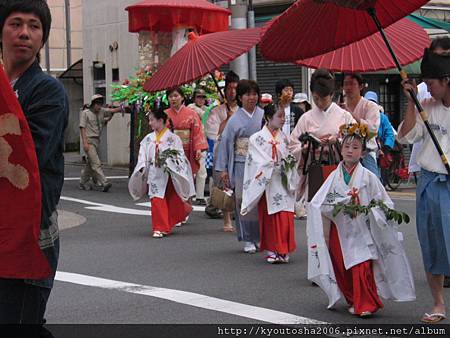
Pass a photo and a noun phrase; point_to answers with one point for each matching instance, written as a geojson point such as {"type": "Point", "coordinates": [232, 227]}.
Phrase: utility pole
{"type": "Point", "coordinates": [239, 21]}
{"type": "Point", "coordinates": [68, 34]}
{"type": "Point", "coordinates": [306, 79]}
{"type": "Point", "coordinates": [252, 52]}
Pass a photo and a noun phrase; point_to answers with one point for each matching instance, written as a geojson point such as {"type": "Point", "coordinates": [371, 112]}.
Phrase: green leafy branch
{"type": "Point", "coordinates": [288, 164]}
{"type": "Point", "coordinates": [353, 210]}
{"type": "Point", "coordinates": [161, 161]}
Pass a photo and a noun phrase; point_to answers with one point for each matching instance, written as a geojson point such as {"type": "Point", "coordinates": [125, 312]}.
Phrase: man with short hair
{"type": "Point", "coordinates": [284, 90]}
{"type": "Point", "coordinates": [24, 28]}
{"type": "Point", "coordinates": [92, 121]}
{"type": "Point", "coordinates": [433, 188]}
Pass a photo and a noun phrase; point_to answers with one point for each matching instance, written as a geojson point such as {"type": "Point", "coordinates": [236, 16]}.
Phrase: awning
{"type": "Point", "coordinates": [428, 23]}
{"type": "Point", "coordinates": [75, 71]}
{"type": "Point", "coordinates": [411, 69]}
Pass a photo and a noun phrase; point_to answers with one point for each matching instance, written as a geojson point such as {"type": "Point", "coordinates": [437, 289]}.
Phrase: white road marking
{"type": "Point", "coordinates": [108, 177]}
{"type": "Point", "coordinates": [108, 207]}
{"type": "Point", "coordinates": [188, 298]}
{"type": "Point", "coordinates": [119, 210]}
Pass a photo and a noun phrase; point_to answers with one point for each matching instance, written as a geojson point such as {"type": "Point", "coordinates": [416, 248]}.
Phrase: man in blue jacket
{"type": "Point", "coordinates": [25, 27]}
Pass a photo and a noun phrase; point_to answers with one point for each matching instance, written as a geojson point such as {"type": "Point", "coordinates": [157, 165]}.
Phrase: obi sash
{"type": "Point", "coordinates": [184, 135]}
{"type": "Point", "coordinates": [241, 146]}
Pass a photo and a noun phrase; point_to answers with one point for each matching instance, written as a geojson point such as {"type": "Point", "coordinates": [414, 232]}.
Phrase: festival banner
{"type": "Point", "coordinates": [20, 193]}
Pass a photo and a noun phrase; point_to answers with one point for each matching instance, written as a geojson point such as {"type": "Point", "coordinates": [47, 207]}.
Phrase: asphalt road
{"type": "Point", "coordinates": [110, 238]}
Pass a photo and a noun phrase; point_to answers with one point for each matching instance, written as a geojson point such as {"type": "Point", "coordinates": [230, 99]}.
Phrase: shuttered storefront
{"type": "Point", "coordinates": [268, 72]}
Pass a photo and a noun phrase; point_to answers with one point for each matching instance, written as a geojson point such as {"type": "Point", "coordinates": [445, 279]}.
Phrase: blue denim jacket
{"type": "Point", "coordinates": [46, 108]}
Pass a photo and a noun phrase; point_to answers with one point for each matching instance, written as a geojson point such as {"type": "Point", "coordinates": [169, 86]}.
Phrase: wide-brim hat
{"type": "Point", "coordinates": [97, 97]}
{"type": "Point", "coordinates": [199, 92]}
{"type": "Point", "coordinates": [300, 97]}
{"type": "Point", "coordinates": [266, 98]}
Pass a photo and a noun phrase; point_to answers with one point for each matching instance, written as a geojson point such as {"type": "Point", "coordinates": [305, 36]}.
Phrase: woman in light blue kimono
{"type": "Point", "coordinates": [233, 149]}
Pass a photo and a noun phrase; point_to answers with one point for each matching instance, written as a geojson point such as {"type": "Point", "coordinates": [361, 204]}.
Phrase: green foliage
{"type": "Point", "coordinates": [131, 92]}
{"type": "Point", "coordinates": [288, 164]}
{"type": "Point", "coordinates": [353, 210]}
{"type": "Point", "coordinates": [161, 161]}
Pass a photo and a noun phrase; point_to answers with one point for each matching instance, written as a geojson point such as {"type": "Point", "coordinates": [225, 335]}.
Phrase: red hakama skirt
{"type": "Point", "coordinates": [356, 284]}
{"type": "Point", "coordinates": [277, 230]}
{"type": "Point", "coordinates": [168, 211]}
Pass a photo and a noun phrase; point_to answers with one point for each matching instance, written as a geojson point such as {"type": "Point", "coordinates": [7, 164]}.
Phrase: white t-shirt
{"type": "Point", "coordinates": [287, 123]}
{"type": "Point", "coordinates": [422, 94]}
{"type": "Point", "coordinates": [439, 120]}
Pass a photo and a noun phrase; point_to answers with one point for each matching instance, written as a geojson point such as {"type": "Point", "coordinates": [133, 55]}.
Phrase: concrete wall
{"type": "Point", "coordinates": [106, 21]}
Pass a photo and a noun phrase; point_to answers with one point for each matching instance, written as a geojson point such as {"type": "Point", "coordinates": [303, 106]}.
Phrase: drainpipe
{"type": "Point", "coordinates": [239, 21]}
{"type": "Point", "coordinates": [252, 52]}
{"type": "Point", "coordinates": [68, 34]}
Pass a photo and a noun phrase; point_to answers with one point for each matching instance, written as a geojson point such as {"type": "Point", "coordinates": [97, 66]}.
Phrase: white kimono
{"type": "Point", "coordinates": [263, 174]}
{"type": "Point", "coordinates": [363, 238]}
{"type": "Point", "coordinates": [154, 179]}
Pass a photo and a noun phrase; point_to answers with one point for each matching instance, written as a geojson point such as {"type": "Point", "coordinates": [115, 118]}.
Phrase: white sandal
{"type": "Point", "coordinates": [158, 234]}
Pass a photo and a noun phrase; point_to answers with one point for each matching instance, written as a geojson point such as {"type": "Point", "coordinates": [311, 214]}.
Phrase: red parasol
{"type": "Point", "coordinates": [313, 27]}
{"type": "Point", "coordinates": [201, 55]}
{"type": "Point", "coordinates": [20, 193]}
{"type": "Point", "coordinates": [370, 54]}
{"type": "Point", "coordinates": [164, 15]}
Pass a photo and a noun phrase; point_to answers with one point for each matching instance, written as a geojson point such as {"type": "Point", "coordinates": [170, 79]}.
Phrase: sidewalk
{"type": "Point", "coordinates": [407, 192]}
{"type": "Point", "coordinates": [74, 158]}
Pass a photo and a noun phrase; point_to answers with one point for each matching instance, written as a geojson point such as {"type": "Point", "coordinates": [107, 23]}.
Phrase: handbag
{"type": "Point", "coordinates": [319, 171]}
{"type": "Point", "coordinates": [137, 185]}
{"type": "Point", "coordinates": [222, 200]}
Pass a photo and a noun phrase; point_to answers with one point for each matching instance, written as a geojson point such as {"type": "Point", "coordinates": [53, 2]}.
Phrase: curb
{"type": "Point", "coordinates": [404, 195]}
{"type": "Point", "coordinates": [105, 166]}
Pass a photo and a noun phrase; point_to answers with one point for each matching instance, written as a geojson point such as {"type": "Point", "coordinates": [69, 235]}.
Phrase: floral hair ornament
{"type": "Point", "coordinates": [356, 129]}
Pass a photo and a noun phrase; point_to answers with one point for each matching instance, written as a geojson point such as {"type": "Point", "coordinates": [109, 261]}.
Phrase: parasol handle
{"type": "Point", "coordinates": [220, 91]}
{"type": "Point", "coordinates": [373, 15]}
{"type": "Point", "coordinates": [404, 76]}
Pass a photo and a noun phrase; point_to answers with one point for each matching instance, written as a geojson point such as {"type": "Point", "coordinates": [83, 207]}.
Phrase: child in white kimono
{"type": "Point", "coordinates": [359, 256]}
{"type": "Point", "coordinates": [265, 164]}
{"type": "Point", "coordinates": [165, 172]}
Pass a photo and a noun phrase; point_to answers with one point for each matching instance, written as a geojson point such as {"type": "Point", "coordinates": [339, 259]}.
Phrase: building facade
{"type": "Point", "coordinates": [110, 53]}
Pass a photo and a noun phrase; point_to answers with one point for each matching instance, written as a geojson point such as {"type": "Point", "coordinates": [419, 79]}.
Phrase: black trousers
{"type": "Point", "coordinates": [22, 303]}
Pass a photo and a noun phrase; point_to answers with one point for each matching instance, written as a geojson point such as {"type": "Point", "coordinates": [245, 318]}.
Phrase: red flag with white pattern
{"type": "Point", "coordinates": [20, 193]}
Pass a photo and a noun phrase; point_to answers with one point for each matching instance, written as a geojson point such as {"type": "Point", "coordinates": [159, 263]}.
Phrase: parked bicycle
{"type": "Point", "coordinates": [394, 169]}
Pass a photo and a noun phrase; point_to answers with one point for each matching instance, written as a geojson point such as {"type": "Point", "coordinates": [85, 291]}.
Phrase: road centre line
{"type": "Point", "coordinates": [188, 298]}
